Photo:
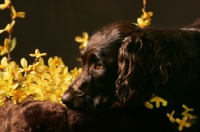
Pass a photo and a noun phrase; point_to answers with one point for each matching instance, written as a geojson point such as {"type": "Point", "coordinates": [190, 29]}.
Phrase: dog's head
{"type": "Point", "coordinates": [109, 62]}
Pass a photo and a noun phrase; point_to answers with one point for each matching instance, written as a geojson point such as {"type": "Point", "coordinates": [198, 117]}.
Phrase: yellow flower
{"type": "Point", "coordinates": [146, 15]}
{"type": "Point", "coordinates": [29, 87]}
{"type": "Point", "coordinates": [5, 5]}
{"type": "Point", "coordinates": [182, 123]}
{"type": "Point", "coordinates": [8, 46]}
{"type": "Point", "coordinates": [145, 18]}
{"type": "Point", "coordinates": [13, 69]}
{"type": "Point", "coordinates": [25, 66]}
{"type": "Point", "coordinates": [170, 116]}
{"type": "Point", "coordinates": [8, 28]}
{"type": "Point", "coordinates": [158, 100]}
{"type": "Point", "coordinates": [186, 108]}
{"type": "Point", "coordinates": [5, 75]}
{"type": "Point", "coordinates": [83, 40]}
{"type": "Point", "coordinates": [185, 113]}
{"type": "Point", "coordinates": [40, 95]}
{"type": "Point", "coordinates": [4, 63]}
{"type": "Point", "coordinates": [75, 72]}
{"type": "Point", "coordinates": [19, 95]}
{"type": "Point", "coordinates": [56, 65]}
{"type": "Point", "coordinates": [142, 22]}
{"type": "Point", "coordinates": [17, 14]}
{"type": "Point", "coordinates": [65, 71]}
{"type": "Point", "coordinates": [39, 67]}
{"type": "Point", "coordinates": [54, 62]}
{"type": "Point", "coordinates": [7, 88]}
{"type": "Point", "coordinates": [38, 54]}
{"type": "Point", "coordinates": [4, 49]}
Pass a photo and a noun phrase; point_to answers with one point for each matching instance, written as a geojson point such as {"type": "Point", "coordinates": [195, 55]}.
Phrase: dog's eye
{"type": "Point", "coordinates": [97, 66]}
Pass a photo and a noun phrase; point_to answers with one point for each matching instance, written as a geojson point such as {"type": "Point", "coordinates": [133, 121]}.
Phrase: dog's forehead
{"type": "Point", "coordinates": [111, 33]}
{"type": "Point", "coordinates": [99, 42]}
{"type": "Point", "coordinates": [108, 39]}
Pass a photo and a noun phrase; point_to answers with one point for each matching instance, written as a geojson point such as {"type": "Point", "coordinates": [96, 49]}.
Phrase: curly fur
{"type": "Point", "coordinates": [152, 59]}
{"type": "Point", "coordinates": [122, 60]}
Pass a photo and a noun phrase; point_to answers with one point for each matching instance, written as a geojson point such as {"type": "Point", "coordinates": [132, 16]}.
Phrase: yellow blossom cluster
{"type": "Point", "coordinates": [14, 15]}
{"type": "Point", "coordinates": [40, 81]}
{"type": "Point", "coordinates": [187, 119]}
{"type": "Point", "coordinates": [145, 19]}
{"type": "Point", "coordinates": [9, 43]}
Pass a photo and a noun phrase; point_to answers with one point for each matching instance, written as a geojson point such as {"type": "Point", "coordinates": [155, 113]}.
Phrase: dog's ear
{"type": "Point", "coordinates": [142, 68]}
{"type": "Point", "coordinates": [126, 62]}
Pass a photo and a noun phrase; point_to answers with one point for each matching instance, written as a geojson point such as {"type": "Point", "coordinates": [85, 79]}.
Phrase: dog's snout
{"type": "Point", "coordinates": [66, 98]}
{"type": "Point", "coordinates": [70, 95]}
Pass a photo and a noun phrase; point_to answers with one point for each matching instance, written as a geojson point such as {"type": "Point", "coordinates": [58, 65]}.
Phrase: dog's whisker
{"type": "Point", "coordinates": [88, 104]}
{"type": "Point", "coordinates": [94, 108]}
{"type": "Point", "coordinates": [94, 105]}
{"type": "Point", "coordinates": [81, 103]}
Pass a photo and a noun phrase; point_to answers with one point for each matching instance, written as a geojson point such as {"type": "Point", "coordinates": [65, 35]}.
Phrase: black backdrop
{"type": "Point", "coordinates": [51, 25]}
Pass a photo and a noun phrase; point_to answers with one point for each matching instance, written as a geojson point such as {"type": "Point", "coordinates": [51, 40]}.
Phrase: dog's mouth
{"type": "Point", "coordinates": [86, 103]}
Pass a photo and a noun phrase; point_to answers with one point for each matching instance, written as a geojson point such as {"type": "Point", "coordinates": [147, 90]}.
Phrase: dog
{"type": "Point", "coordinates": [125, 63]}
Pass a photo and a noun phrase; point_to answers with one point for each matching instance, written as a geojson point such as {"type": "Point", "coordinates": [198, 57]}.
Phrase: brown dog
{"type": "Point", "coordinates": [123, 62]}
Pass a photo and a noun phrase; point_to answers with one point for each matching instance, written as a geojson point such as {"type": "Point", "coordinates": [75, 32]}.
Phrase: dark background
{"type": "Point", "coordinates": [51, 25]}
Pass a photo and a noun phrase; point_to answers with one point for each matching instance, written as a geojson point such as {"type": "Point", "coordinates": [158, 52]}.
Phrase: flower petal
{"type": "Point", "coordinates": [2, 30]}
{"type": "Point", "coordinates": [150, 14]}
{"type": "Point", "coordinates": [85, 44]}
{"type": "Point", "coordinates": [3, 52]}
{"type": "Point", "coordinates": [4, 61]}
{"type": "Point", "coordinates": [148, 105]}
{"type": "Point", "coordinates": [79, 39]}
{"type": "Point", "coordinates": [3, 6]}
{"type": "Point", "coordinates": [85, 36]}
{"type": "Point", "coordinates": [21, 14]}
{"type": "Point", "coordinates": [147, 22]}
{"type": "Point", "coordinates": [13, 10]}
{"type": "Point", "coordinates": [24, 63]}
{"type": "Point", "coordinates": [140, 21]}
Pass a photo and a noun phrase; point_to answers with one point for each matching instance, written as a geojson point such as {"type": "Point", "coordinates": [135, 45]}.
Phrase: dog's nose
{"type": "Point", "coordinates": [68, 96]}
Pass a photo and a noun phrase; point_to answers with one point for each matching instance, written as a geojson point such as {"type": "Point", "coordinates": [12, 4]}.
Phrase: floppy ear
{"type": "Point", "coordinates": [143, 68]}
{"type": "Point", "coordinates": [126, 63]}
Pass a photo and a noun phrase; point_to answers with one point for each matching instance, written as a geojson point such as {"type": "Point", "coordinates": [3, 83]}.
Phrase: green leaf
{"type": "Point", "coordinates": [12, 44]}
{"type": "Point", "coordinates": [79, 59]}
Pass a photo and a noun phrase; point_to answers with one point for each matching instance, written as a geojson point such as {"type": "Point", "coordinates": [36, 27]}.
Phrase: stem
{"type": "Point", "coordinates": [8, 55]}
{"type": "Point", "coordinates": [10, 35]}
{"type": "Point", "coordinates": [36, 60]}
{"type": "Point", "coordinates": [144, 4]}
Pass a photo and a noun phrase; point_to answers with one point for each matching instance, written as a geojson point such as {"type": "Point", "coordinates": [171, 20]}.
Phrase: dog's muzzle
{"type": "Point", "coordinates": [71, 98]}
